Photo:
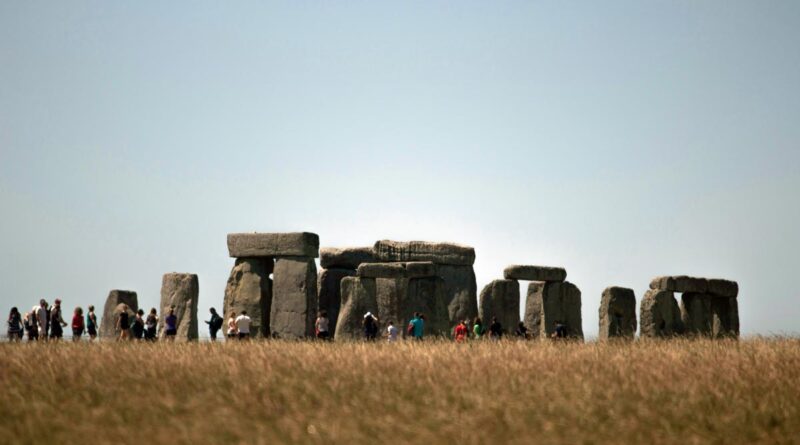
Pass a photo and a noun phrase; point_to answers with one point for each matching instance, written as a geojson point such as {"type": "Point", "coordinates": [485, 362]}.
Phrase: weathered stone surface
{"type": "Point", "coordinates": [617, 314]}
{"type": "Point", "coordinates": [535, 273]}
{"type": "Point", "coordinates": [551, 303]}
{"type": "Point", "coordinates": [724, 317]}
{"type": "Point", "coordinates": [723, 288]}
{"type": "Point", "coordinates": [390, 294]}
{"type": "Point", "coordinates": [248, 245]}
{"type": "Point", "coordinates": [294, 295]}
{"type": "Point", "coordinates": [420, 269]}
{"type": "Point", "coordinates": [659, 315]}
{"type": "Point", "coordinates": [182, 291]}
{"type": "Point", "coordinates": [382, 270]}
{"type": "Point", "coordinates": [460, 290]}
{"type": "Point", "coordinates": [500, 299]}
{"type": "Point", "coordinates": [249, 289]}
{"type": "Point", "coordinates": [439, 253]}
{"type": "Point", "coordinates": [696, 313]}
{"type": "Point", "coordinates": [680, 283]}
{"type": "Point", "coordinates": [112, 309]}
{"type": "Point", "coordinates": [426, 295]}
{"type": "Point", "coordinates": [358, 298]}
{"type": "Point", "coordinates": [329, 295]}
{"type": "Point", "coordinates": [345, 257]}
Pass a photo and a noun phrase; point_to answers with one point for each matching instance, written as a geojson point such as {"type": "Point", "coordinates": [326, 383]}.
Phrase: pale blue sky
{"type": "Point", "coordinates": [621, 140]}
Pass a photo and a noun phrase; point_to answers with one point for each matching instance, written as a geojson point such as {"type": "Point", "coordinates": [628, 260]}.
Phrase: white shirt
{"type": "Point", "coordinates": [322, 324]}
{"type": "Point", "coordinates": [392, 333]}
{"type": "Point", "coordinates": [42, 315]}
{"type": "Point", "coordinates": [243, 324]}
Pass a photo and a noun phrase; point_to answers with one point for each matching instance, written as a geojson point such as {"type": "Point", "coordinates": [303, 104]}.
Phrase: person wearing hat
{"type": "Point", "coordinates": [57, 322]}
{"type": "Point", "coordinates": [370, 326]}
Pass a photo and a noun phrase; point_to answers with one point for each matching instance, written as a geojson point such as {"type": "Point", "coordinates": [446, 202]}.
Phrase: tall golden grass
{"type": "Point", "coordinates": [433, 392]}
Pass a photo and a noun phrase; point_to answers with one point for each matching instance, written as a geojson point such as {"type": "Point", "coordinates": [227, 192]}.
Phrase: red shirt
{"type": "Point", "coordinates": [461, 332]}
{"type": "Point", "coordinates": [77, 322]}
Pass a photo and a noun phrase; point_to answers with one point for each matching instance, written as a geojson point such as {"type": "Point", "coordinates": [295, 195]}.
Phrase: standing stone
{"type": "Point", "coordinates": [535, 273]}
{"type": "Point", "coordinates": [345, 257]}
{"type": "Point", "coordinates": [551, 303]}
{"type": "Point", "coordinates": [390, 294]}
{"type": "Point", "coordinates": [617, 314]}
{"type": "Point", "coordinates": [294, 295]}
{"type": "Point", "coordinates": [659, 314]}
{"type": "Point", "coordinates": [270, 245]}
{"type": "Point", "coordinates": [329, 295]}
{"type": "Point", "coordinates": [112, 309]}
{"type": "Point", "coordinates": [500, 299]}
{"type": "Point", "coordinates": [426, 295]}
{"type": "Point", "coordinates": [180, 290]}
{"type": "Point", "coordinates": [358, 298]}
{"type": "Point", "coordinates": [460, 291]}
{"type": "Point", "coordinates": [249, 288]}
{"type": "Point", "coordinates": [696, 313]}
{"type": "Point", "coordinates": [724, 317]}
{"type": "Point", "coordinates": [439, 253]}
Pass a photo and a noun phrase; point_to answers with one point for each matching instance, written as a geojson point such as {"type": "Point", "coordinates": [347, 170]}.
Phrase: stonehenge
{"type": "Point", "coordinates": [617, 314]}
{"type": "Point", "coordinates": [708, 308]}
{"type": "Point", "coordinates": [180, 291]}
{"type": "Point", "coordinates": [285, 305]}
{"type": "Point", "coordinates": [113, 307]}
{"type": "Point", "coordinates": [551, 303]}
{"type": "Point", "coordinates": [337, 263]}
{"type": "Point", "coordinates": [500, 300]}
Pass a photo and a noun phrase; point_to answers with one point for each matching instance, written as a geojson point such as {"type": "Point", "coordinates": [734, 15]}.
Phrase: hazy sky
{"type": "Point", "coordinates": [620, 140]}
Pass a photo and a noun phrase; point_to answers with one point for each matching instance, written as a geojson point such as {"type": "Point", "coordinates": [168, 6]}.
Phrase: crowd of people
{"type": "Point", "coordinates": [45, 322]}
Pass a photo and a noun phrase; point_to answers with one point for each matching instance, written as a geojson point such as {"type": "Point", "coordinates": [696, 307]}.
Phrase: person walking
{"type": "Point", "coordinates": [91, 323]}
{"type": "Point", "coordinates": [32, 326]}
{"type": "Point", "coordinates": [417, 325]}
{"type": "Point", "coordinates": [150, 325]}
{"type": "Point", "coordinates": [391, 332]}
{"type": "Point", "coordinates": [370, 324]}
{"type": "Point", "coordinates": [214, 324]}
{"type": "Point", "coordinates": [461, 332]}
{"type": "Point", "coordinates": [77, 324]}
{"type": "Point", "coordinates": [232, 332]}
{"type": "Point", "coordinates": [321, 325]}
{"type": "Point", "coordinates": [495, 329]}
{"type": "Point", "coordinates": [138, 325]}
{"type": "Point", "coordinates": [243, 326]}
{"type": "Point", "coordinates": [522, 331]}
{"type": "Point", "coordinates": [123, 324]}
{"type": "Point", "coordinates": [43, 318]}
{"type": "Point", "coordinates": [171, 324]}
{"type": "Point", "coordinates": [57, 323]}
{"type": "Point", "coordinates": [477, 329]}
{"type": "Point", "coordinates": [14, 325]}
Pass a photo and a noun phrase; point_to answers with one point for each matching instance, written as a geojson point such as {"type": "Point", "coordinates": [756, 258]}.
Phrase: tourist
{"type": "Point", "coordinates": [171, 324]}
{"type": "Point", "coordinates": [150, 325]}
{"type": "Point", "coordinates": [495, 329]}
{"type": "Point", "coordinates": [232, 332]}
{"type": "Point", "coordinates": [522, 331]}
{"type": "Point", "coordinates": [43, 318]}
{"type": "Point", "coordinates": [417, 325]}
{"type": "Point", "coordinates": [391, 332]}
{"type": "Point", "coordinates": [370, 324]}
{"type": "Point", "coordinates": [91, 323]}
{"type": "Point", "coordinates": [478, 328]}
{"type": "Point", "coordinates": [123, 324]}
{"type": "Point", "coordinates": [32, 326]}
{"type": "Point", "coordinates": [138, 325]}
{"type": "Point", "coordinates": [560, 330]}
{"type": "Point", "coordinates": [14, 325]}
{"type": "Point", "coordinates": [57, 322]}
{"type": "Point", "coordinates": [77, 324]}
{"type": "Point", "coordinates": [321, 325]}
{"type": "Point", "coordinates": [243, 326]}
{"type": "Point", "coordinates": [461, 332]}
{"type": "Point", "coordinates": [214, 324]}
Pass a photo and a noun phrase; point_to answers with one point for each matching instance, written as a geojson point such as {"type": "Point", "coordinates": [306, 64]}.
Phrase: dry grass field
{"type": "Point", "coordinates": [523, 392]}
